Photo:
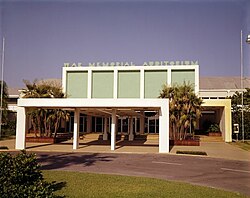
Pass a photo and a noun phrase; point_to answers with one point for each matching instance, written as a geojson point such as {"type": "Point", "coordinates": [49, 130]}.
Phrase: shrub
{"type": "Point", "coordinates": [214, 128]}
{"type": "Point", "coordinates": [20, 177]}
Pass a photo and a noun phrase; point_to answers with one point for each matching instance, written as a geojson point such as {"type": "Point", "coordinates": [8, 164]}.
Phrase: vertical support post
{"type": "Point", "coordinates": [95, 124]}
{"type": "Point", "coordinates": [131, 135]}
{"type": "Point", "coordinates": [164, 129]}
{"type": "Point", "coordinates": [89, 91]}
{"type": "Point", "coordinates": [142, 122]}
{"type": "Point", "coordinates": [76, 129]}
{"type": "Point", "coordinates": [113, 130]}
{"type": "Point", "coordinates": [135, 125]}
{"type": "Point", "coordinates": [89, 123]}
{"type": "Point", "coordinates": [21, 128]}
{"type": "Point", "coordinates": [121, 125]}
{"type": "Point", "coordinates": [105, 134]}
{"type": "Point", "coordinates": [228, 121]}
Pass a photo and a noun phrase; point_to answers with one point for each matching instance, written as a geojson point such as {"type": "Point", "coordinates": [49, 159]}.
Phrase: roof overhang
{"type": "Point", "coordinates": [97, 107]}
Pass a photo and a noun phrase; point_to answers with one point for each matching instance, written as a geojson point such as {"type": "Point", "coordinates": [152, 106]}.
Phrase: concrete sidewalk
{"type": "Point", "coordinates": [213, 149]}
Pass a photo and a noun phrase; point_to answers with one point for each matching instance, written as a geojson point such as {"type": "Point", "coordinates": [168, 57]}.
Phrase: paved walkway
{"type": "Point", "coordinates": [213, 149]}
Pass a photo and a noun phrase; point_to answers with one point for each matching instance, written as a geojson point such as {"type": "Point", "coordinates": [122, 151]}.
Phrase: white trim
{"type": "Point", "coordinates": [89, 91]}
{"type": "Point", "coordinates": [196, 83]}
{"type": "Point", "coordinates": [169, 79]}
{"type": "Point", "coordinates": [64, 79]}
{"type": "Point", "coordinates": [115, 84]}
{"type": "Point", "coordinates": [76, 102]}
{"type": "Point", "coordinates": [112, 68]}
{"type": "Point", "coordinates": [142, 82]}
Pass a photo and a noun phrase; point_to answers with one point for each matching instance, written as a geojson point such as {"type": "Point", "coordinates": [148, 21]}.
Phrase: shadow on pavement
{"type": "Point", "coordinates": [39, 145]}
{"type": "Point", "coordinates": [57, 161]}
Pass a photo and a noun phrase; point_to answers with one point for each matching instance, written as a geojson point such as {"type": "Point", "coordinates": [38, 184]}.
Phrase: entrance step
{"type": "Point", "coordinates": [124, 136]}
{"type": "Point", "coordinates": [90, 135]}
{"type": "Point", "coordinates": [153, 137]}
{"type": "Point", "coordinates": [205, 138]}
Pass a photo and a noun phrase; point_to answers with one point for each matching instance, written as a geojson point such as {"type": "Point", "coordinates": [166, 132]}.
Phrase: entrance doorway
{"type": "Point", "coordinates": [153, 124]}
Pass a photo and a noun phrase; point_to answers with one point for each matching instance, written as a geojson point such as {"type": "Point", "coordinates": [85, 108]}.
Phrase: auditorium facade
{"type": "Point", "coordinates": [112, 99]}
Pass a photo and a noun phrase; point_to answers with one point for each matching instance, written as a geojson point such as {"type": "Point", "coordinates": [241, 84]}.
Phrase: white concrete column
{"type": "Point", "coordinates": [113, 130]}
{"type": "Point", "coordinates": [228, 121]}
{"type": "Point", "coordinates": [164, 129]}
{"type": "Point", "coordinates": [89, 123]}
{"type": "Point", "coordinates": [105, 134]}
{"type": "Point", "coordinates": [131, 135]}
{"type": "Point", "coordinates": [142, 122]}
{"type": "Point", "coordinates": [76, 129]}
{"type": "Point", "coordinates": [220, 118]}
{"type": "Point", "coordinates": [21, 128]}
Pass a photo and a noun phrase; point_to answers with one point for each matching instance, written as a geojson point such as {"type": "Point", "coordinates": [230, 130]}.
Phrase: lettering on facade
{"type": "Point", "coordinates": [147, 63]}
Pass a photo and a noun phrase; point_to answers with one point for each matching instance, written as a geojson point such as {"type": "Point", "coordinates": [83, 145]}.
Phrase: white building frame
{"type": "Point", "coordinates": [160, 105]}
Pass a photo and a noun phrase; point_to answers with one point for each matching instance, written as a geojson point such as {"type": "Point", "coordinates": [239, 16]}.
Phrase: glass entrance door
{"type": "Point", "coordinates": [153, 124]}
{"type": "Point", "coordinates": [123, 125]}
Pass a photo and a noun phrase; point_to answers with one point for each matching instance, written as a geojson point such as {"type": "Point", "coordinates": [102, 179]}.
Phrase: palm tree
{"type": "Point", "coordinates": [33, 117]}
{"type": "Point", "coordinates": [41, 90]}
{"type": "Point", "coordinates": [237, 108]}
{"type": "Point", "coordinates": [43, 120]}
{"type": "Point", "coordinates": [184, 109]}
{"type": "Point", "coordinates": [59, 115]}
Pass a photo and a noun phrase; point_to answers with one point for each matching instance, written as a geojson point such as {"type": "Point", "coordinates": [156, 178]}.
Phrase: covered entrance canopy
{"type": "Point", "coordinates": [98, 107]}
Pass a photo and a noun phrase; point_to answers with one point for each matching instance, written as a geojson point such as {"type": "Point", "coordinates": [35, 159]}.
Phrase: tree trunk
{"type": "Point", "coordinates": [39, 125]}
{"type": "Point", "coordinates": [34, 126]}
{"type": "Point", "coordinates": [49, 131]}
{"type": "Point", "coordinates": [55, 132]}
{"type": "Point", "coordinates": [45, 125]}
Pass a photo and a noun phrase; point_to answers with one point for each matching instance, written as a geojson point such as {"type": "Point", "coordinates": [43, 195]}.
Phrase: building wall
{"type": "Point", "coordinates": [126, 82]}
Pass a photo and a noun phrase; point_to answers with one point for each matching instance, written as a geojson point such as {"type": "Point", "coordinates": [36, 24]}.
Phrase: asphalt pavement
{"type": "Point", "coordinates": [230, 175]}
{"type": "Point", "coordinates": [226, 166]}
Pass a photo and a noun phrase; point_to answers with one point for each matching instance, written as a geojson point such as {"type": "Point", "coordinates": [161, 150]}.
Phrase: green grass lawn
{"type": "Point", "coordinates": [78, 184]}
{"type": "Point", "coordinates": [243, 145]}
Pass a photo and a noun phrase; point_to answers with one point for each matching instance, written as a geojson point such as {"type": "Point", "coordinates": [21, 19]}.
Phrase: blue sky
{"type": "Point", "coordinates": [41, 35]}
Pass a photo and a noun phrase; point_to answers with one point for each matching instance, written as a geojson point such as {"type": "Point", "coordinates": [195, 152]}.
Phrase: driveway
{"type": "Point", "coordinates": [225, 174]}
{"type": "Point", "coordinates": [213, 149]}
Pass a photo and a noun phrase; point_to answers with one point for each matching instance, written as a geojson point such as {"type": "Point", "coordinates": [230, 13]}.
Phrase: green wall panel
{"type": "Point", "coordinates": [102, 84]}
{"type": "Point", "coordinates": [77, 84]}
{"type": "Point", "coordinates": [128, 84]}
{"type": "Point", "coordinates": [153, 82]}
{"type": "Point", "coordinates": [179, 76]}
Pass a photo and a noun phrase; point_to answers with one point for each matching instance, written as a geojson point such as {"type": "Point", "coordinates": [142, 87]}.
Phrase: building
{"type": "Point", "coordinates": [123, 99]}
